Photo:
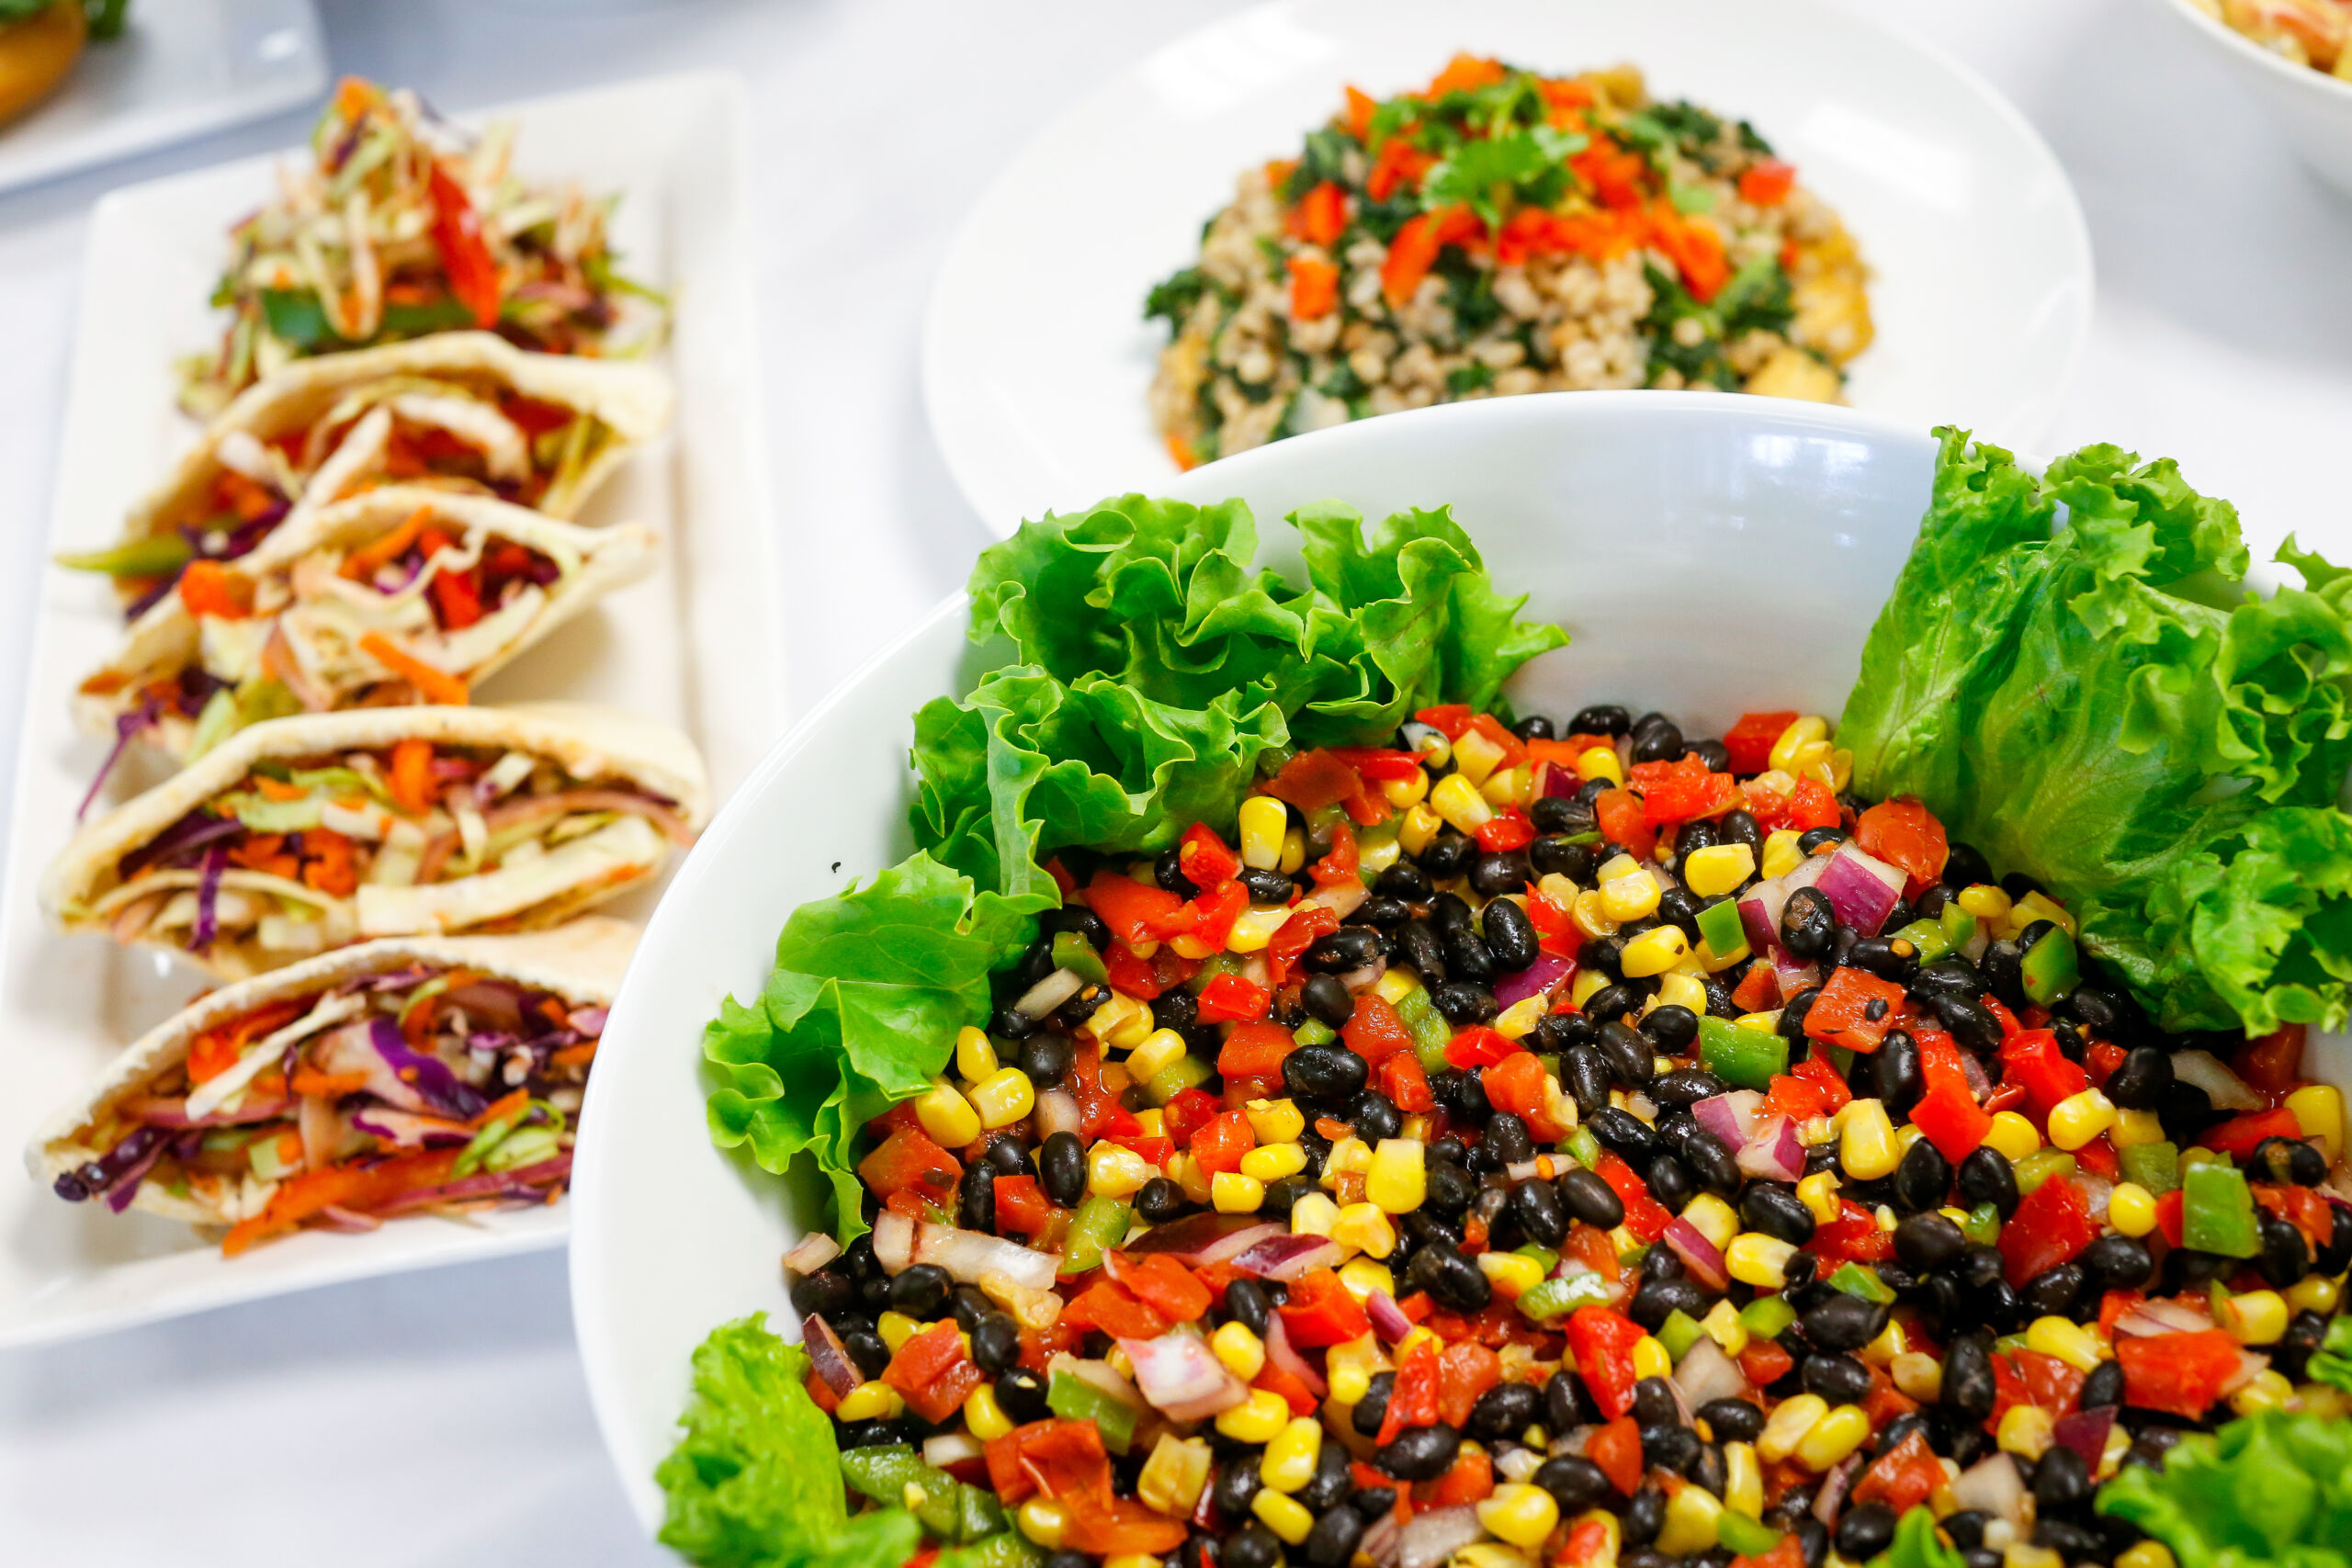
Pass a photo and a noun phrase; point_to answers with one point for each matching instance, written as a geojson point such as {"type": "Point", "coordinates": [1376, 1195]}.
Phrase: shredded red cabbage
{"type": "Point", "coordinates": [177, 842]}
{"type": "Point", "coordinates": [429, 1076]}
{"type": "Point", "coordinates": [125, 727]}
{"type": "Point", "coordinates": [137, 1150]}
{"type": "Point", "coordinates": [207, 899]}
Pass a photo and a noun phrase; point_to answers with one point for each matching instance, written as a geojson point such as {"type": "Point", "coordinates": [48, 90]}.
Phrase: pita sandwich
{"type": "Point", "coordinates": [301, 835]}
{"type": "Point", "coordinates": [404, 595]}
{"type": "Point", "coordinates": [407, 1075]}
{"type": "Point", "coordinates": [465, 412]}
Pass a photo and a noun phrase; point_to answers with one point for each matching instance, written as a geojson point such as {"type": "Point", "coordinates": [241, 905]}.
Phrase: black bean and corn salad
{"type": "Point", "coordinates": [1500, 230]}
{"type": "Point", "coordinates": [1582, 1145]}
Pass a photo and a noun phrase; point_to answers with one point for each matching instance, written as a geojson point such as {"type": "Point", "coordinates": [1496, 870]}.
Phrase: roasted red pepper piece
{"type": "Point", "coordinates": [2182, 1373]}
{"type": "Point", "coordinates": [933, 1372]}
{"type": "Point", "coordinates": [1320, 1311]}
{"type": "Point", "coordinates": [2051, 1225]}
{"type": "Point", "coordinates": [1603, 1342]}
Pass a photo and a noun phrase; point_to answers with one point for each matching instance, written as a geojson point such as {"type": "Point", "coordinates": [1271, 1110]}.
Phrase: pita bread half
{"type": "Point", "coordinates": [286, 574]}
{"type": "Point", "coordinates": [598, 749]}
{"type": "Point", "coordinates": [582, 963]}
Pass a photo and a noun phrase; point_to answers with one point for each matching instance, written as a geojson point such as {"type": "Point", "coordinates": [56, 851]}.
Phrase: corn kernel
{"type": "Point", "coordinates": [1283, 1515]}
{"type": "Point", "coordinates": [1833, 1437]}
{"type": "Point", "coordinates": [2256, 1317]}
{"type": "Point", "coordinates": [1677, 990]}
{"type": "Point", "coordinates": [1348, 1156]}
{"type": "Point", "coordinates": [1433, 748]}
{"type": "Point", "coordinates": [2036, 907]}
{"type": "Point", "coordinates": [1136, 1559]}
{"type": "Point", "coordinates": [1188, 1173]}
{"type": "Point", "coordinates": [1762, 1022]}
{"type": "Point", "coordinates": [1289, 1460]}
{"type": "Point", "coordinates": [2146, 1554]}
{"type": "Point", "coordinates": [1119, 1012]}
{"type": "Point", "coordinates": [1161, 1050]}
{"type": "Point", "coordinates": [947, 1115]}
{"type": "Point", "coordinates": [1188, 946]}
{"type": "Point", "coordinates": [1692, 1519]}
{"type": "Point", "coordinates": [1233, 1193]}
{"type": "Point", "coordinates": [1420, 826]}
{"type": "Point", "coordinates": [1239, 1350]}
{"type": "Point", "coordinates": [2318, 1109]}
{"type": "Point", "coordinates": [1253, 928]}
{"type": "Point", "coordinates": [1600, 762]}
{"type": "Point", "coordinates": [1275, 1121]}
{"type": "Point", "coordinates": [1003, 1098]}
{"type": "Point", "coordinates": [2012, 1136]}
{"type": "Point", "coordinates": [1591, 915]}
{"type": "Point", "coordinates": [1363, 1227]}
{"type": "Point", "coordinates": [1520, 1514]}
{"type": "Point", "coordinates": [1264, 820]}
{"type": "Point", "coordinates": [1153, 1122]}
{"type": "Point", "coordinates": [1511, 786]}
{"type": "Point", "coordinates": [1255, 1419]}
{"type": "Point", "coordinates": [1717, 869]}
{"type": "Point", "coordinates": [870, 1402]}
{"type": "Point", "coordinates": [2020, 1554]}
{"type": "Point", "coordinates": [983, 1416]}
{"type": "Point", "coordinates": [1512, 1275]}
{"type": "Point", "coordinates": [1790, 1420]}
{"type": "Point", "coordinates": [1754, 1258]}
{"type": "Point", "coordinates": [1397, 1179]}
{"type": "Point", "coordinates": [1653, 952]}
{"type": "Point", "coordinates": [1271, 1162]}
{"type": "Point", "coordinates": [1810, 729]}
{"type": "Point", "coordinates": [2063, 1338]}
{"type": "Point", "coordinates": [1457, 800]}
{"type": "Point", "coordinates": [1984, 901]}
{"type": "Point", "coordinates": [1112, 1171]}
{"type": "Point", "coordinates": [1650, 1359]}
{"type": "Point", "coordinates": [1517, 1021]}
{"type": "Point", "coordinates": [2077, 1118]}
{"type": "Point", "coordinates": [1781, 855]}
{"type": "Point", "coordinates": [1362, 1275]}
{"type": "Point", "coordinates": [1743, 1481]}
{"type": "Point", "coordinates": [1294, 853]}
{"type": "Point", "coordinates": [2314, 1292]}
{"type": "Point", "coordinates": [896, 1328]}
{"type": "Point", "coordinates": [1395, 985]}
{"type": "Point", "coordinates": [1475, 756]}
{"type": "Point", "coordinates": [2136, 1127]}
{"type": "Point", "coordinates": [975, 1053]}
{"type": "Point", "coordinates": [1722, 1326]}
{"type": "Point", "coordinates": [1404, 794]}
{"type": "Point", "coordinates": [1313, 1214]}
{"type": "Point", "coordinates": [1918, 1376]}
{"type": "Point", "coordinates": [1631, 896]}
{"type": "Point", "coordinates": [2027, 1430]}
{"type": "Point", "coordinates": [1043, 1522]}
{"type": "Point", "coordinates": [1866, 1146]}
{"type": "Point", "coordinates": [1713, 1218]}
{"type": "Point", "coordinates": [2269, 1391]}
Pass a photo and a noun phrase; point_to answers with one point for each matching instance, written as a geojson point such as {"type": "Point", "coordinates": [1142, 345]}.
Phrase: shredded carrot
{"type": "Point", "coordinates": [360, 1188]}
{"type": "Point", "coordinates": [386, 546]}
{"type": "Point", "coordinates": [207, 588]}
{"type": "Point", "coordinates": [266, 853]}
{"type": "Point", "coordinates": [575, 1055]}
{"type": "Point", "coordinates": [1465, 73]}
{"type": "Point", "coordinates": [332, 865]}
{"type": "Point", "coordinates": [312, 1084]}
{"type": "Point", "coordinates": [434, 685]}
{"type": "Point", "coordinates": [354, 95]}
{"type": "Point", "coordinates": [278, 789]}
{"type": "Point", "coordinates": [1361, 106]}
{"type": "Point", "coordinates": [412, 781]}
{"type": "Point", "coordinates": [505, 1108]}
{"type": "Point", "coordinates": [216, 1050]}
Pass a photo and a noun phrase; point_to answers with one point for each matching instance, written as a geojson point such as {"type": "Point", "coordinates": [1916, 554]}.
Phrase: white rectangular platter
{"type": "Point", "coordinates": [697, 644]}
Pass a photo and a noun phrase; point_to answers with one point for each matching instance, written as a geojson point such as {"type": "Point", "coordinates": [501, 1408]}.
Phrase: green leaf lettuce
{"type": "Point", "coordinates": [2272, 1490]}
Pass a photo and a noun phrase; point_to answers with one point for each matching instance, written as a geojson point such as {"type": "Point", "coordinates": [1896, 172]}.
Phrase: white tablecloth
{"type": "Point", "coordinates": [441, 1418]}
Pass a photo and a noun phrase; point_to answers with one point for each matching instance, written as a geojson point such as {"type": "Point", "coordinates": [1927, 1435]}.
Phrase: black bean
{"type": "Point", "coordinates": [1970, 1024]}
{"type": "Point", "coordinates": [1417, 1454]}
{"type": "Point", "coordinates": [1403, 880]}
{"type": "Point", "coordinates": [1447, 855]}
{"type": "Point", "coordinates": [1813, 1541]}
{"type": "Point", "coordinates": [975, 1197]}
{"type": "Point", "coordinates": [1327, 1000]}
{"type": "Point", "coordinates": [1630, 1058]}
{"type": "Point", "coordinates": [2004, 972]}
{"type": "Point", "coordinates": [1658, 742]}
{"type": "Point", "coordinates": [1446, 1189]}
{"type": "Point", "coordinates": [2285, 1257]}
{"type": "Point", "coordinates": [1332, 1543]}
{"type": "Point", "coordinates": [1168, 871]}
{"type": "Point", "coordinates": [1245, 1304]}
{"type": "Point", "coordinates": [868, 1351]}
{"type": "Point", "coordinates": [1654, 1404]}
{"type": "Point", "coordinates": [1511, 936]}
{"type": "Point", "coordinates": [1839, 1379]}
{"type": "Point", "coordinates": [1712, 1164]}
{"type": "Point", "coordinates": [1332, 1482]}
{"type": "Point", "coordinates": [1625, 1134]}
{"type": "Point", "coordinates": [2290, 1358]}
{"type": "Point", "coordinates": [1968, 1385]}
{"type": "Point", "coordinates": [1251, 1546]}
{"type": "Point", "coordinates": [996, 1342]}
{"type": "Point", "coordinates": [1465, 1096]}
{"type": "Point", "coordinates": [1591, 1200]}
{"type": "Point", "coordinates": [1462, 1003]}
{"type": "Point", "coordinates": [1670, 1448]}
{"type": "Point", "coordinates": [1575, 1483]}
{"type": "Point", "coordinates": [1177, 1010]}
{"type": "Point", "coordinates": [1600, 718]}
{"type": "Point", "coordinates": [825, 1294]}
{"type": "Point", "coordinates": [1815, 838]}
{"type": "Point", "coordinates": [1923, 1179]}
{"type": "Point", "coordinates": [1585, 1075]}
{"type": "Point", "coordinates": [1324, 1072]}
{"type": "Point", "coordinates": [1684, 1087]}
{"type": "Point", "coordinates": [1559, 854]}
{"type": "Point", "coordinates": [1372, 1408]}
{"type": "Point", "coordinates": [2120, 1262]}
{"type": "Point", "coordinates": [1374, 1502]}
{"type": "Point", "coordinates": [1021, 1393]}
{"type": "Point", "coordinates": [1612, 1001]}
{"type": "Point", "coordinates": [1732, 1420]}
{"type": "Point", "coordinates": [1419, 945]}
{"type": "Point", "coordinates": [1986, 1177]}
{"type": "Point", "coordinates": [1343, 950]}
{"type": "Point", "coordinates": [1777, 1210]}
{"type": "Point", "coordinates": [1506, 1141]}
{"type": "Point", "coordinates": [2053, 1292]}
{"type": "Point", "coordinates": [1502, 872]}
{"type": "Point", "coordinates": [2060, 1478]}
{"type": "Point", "coordinates": [1505, 1411]}
{"type": "Point", "coordinates": [1658, 1299]}
{"type": "Point", "coordinates": [1927, 1241]}
{"type": "Point", "coordinates": [1888, 957]}
{"type": "Point", "coordinates": [1897, 1076]}
{"type": "Point", "coordinates": [1643, 1516]}
{"type": "Point", "coordinates": [1844, 1322]}
{"type": "Point", "coordinates": [1966, 1527]}
{"type": "Point", "coordinates": [1670, 1181]}
{"type": "Point", "coordinates": [1061, 1168]}
{"type": "Point", "coordinates": [2288, 1159]}
{"type": "Point", "coordinates": [921, 1290]}
{"type": "Point", "coordinates": [1541, 1214]}
{"type": "Point", "coordinates": [1680, 909]}
{"type": "Point", "coordinates": [1374, 1116]}
{"type": "Point", "coordinates": [1865, 1530]}
{"type": "Point", "coordinates": [1453, 1281]}
{"type": "Point", "coordinates": [2336, 1255]}
{"type": "Point", "coordinates": [2103, 1388]}
{"type": "Point", "coordinates": [2140, 1081]}
{"type": "Point", "coordinates": [1160, 1201]}
{"type": "Point", "coordinates": [1567, 1404]}
{"type": "Point", "coordinates": [1807, 923]}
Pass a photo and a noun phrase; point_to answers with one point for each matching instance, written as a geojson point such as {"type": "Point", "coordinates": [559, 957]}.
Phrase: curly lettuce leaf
{"type": "Point", "coordinates": [2100, 702]}
{"type": "Point", "coordinates": [755, 1479]}
{"type": "Point", "coordinates": [862, 1008]}
{"type": "Point", "coordinates": [2332, 1362]}
{"type": "Point", "coordinates": [2270, 1491]}
{"type": "Point", "coordinates": [1917, 1544]}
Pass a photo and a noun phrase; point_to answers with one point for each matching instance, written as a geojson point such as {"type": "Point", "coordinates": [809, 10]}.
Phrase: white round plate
{"type": "Point", "coordinates": [1036, 358]}
{"type": "Point", "coordinates": [2312, 108]}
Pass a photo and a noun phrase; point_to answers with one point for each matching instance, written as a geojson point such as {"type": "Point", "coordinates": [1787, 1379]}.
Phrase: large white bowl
{"type": "Point", "coordinates": [1036, 358]}
{"type": "Point", "coordinates": [2313, 108]}
{"type": "Point", "coordinates": [1708, 554]}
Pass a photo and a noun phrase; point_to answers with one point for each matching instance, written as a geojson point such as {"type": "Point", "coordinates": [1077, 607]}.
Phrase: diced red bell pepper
{"type": "Point", "coordinates": [1218, 1147]}
{"type": "Point", "coordinates": [2051, 1225]}
{"type": "Point", "coordinates": [1764, 1362]}
{"type": "Point", "coordinates": [2171, 1216]}
{"type": "Point", "coordinates": [1506, 830]}
{"type": "Point", "coordinates": [1156, 1151]}
{"type": "Point", "coordinates": [1902, 1477]}
{"type": "Point", "coordinates": [1382, 766]}
{"type": "Point", "coordinates": [1617, 1449]}
{"type": "Point", "coordinates": [1785, 1552]}
{"type": "Point", "coordinates": [1904, 834]}
{"type": "Point", "coordinates": [1159, 1283]}
{"type": "Point", "coordinates": [1796, 1097]}
{"type": "Point", "coordinates": [1405, 1083]}
{"type": "Point", "coordinates": [1229, 999]}
{"type": "Point", "coordinates": [1298, 934]}
{"type": "Point", "coordinates": [1115, 1310]}
{"type": "Point", "coordinates": [1099, 1113]}
{"type": "Point", "coordinates": [1603, 1342]}
{"type": "Point", "coordinates": [2237, 1136]}
{"type": "Point", "coordinates": [1340, 866]}
{"type": "Point", "coordinates": [2101, 1060]}
{"type": "Point", "coordinates": [2182, 1373]}
{"type": "Point", "coordinates": [1853, 1238]}
{"type": "Point", "coordinates": [1758, 991]}
{"type": "Point", "coordinates": [1491, 728]}
{"type": "Point", "coordinates": [1204, 858]}
{"type": "Point", "coordinates": [1320, 1311]}
{"type": "Point", "coordinates": [1255, 1051]}
{"type": "Point", "coordinates": [1750, 740]}
{"type": "Point", "coordinates": [1465, 1371]}
{"type": "Point", "coordinates": [1187, 1112]}
{"type": "Point", "coordinates": [1374, 1031]}
{"type": "Point", "coordinates": [908, 1160]}
{"type": "Point", "coordinates": [1275, 1378]}
{"type": "Point", "coordinates": [1412, 1399]}
{"type": "Point", "coordinates": [2099, 1158]}
{"type": "Point", "coordinates": [1477, 1046]}
{"type": "Point", "coordinates": [1449, 719]}
{"type": "Point", "coordinates": [1950, 1119]}
{"type": "Point", "coordinates": [1136, 915]}
{"type": "Point", "coordinates": [1624, 822]}
{"type": "Point", "coordinates": [1855, 1009]}
{"type": "Point", "coordinates": [2031, 1060]}
{"type": "Point", "coordinates": [1822, 1076]}
{"type": "Point", "coordinates": [464, 254]}
{"type": "Point", "coordinates": [1021, 1206]}
{"type": "Point", "coordinates": [1767, 183]}
{"type": "Point", "coordinates": [1131, 976]}
{"type": "Point", "coordinates": [2302, 1207]}
{"type": "Point", "coordinates": [1210, 917]}
{"type": "Point", "coordinates": [933, 1372]}
{"type": "Point", "coordinates": [1471, 1480]}
{"type": "Point", "coordinates": [2273, 1064]}
{"type": "Point", "coordinates": [1644, 1215]}
{"type": "Point", "coordinates": [1321, 215]}
{"type": "Point", "coordinates": [1519, 1084]}
{"type": "Point", "coordinates": [1682, 791]}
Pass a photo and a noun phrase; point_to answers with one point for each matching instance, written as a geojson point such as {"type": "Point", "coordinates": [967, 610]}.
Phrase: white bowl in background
{"type": "Point", "coordinates": [1037, 360]}
{"type": "Point", "coordinates": [1708, 554]}
{"type": "Point", "coordinates": [2313, 107]}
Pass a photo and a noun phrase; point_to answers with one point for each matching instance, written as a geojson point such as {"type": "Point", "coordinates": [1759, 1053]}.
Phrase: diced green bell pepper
{"type": "Point", "coordinates": [2051, 968]}
{"type": "Point", "coordinates": [2216, 1212]}
{"type": "Point", "coordinates": [1743, 1058]}
{"type": "Point", "coordinates": [1430, 1032]}
{"type": "Point", "coordinates": [152, 556]}
{"type": "Point", "coordinates": [1555, 1298]}
{"type": "Point", "coordinates": [2156, 1166]}
{"type": "Point", "coordinates": [946, 1506]}
{"type": "Point", "coordinates": [1720, 929]}
{"type": "Point", "coordinates": [1074, 1399]}
{"type": "Point", "coordinates": [1583, 1147]}
{"type": "Point", "coordinates": [1185, 1071]}
{"type": "Point", "coordinates": [1075, 954]}
{"type": "Point", "coordinates": [1929, 937]}
{"type": "Point", "coordinates": [1007, 1549]}
{"type": "Point", "coordinates": [1678, 1333]}
{"type": "Point", "coordinates": [1100, 1224]}
{"type": "Point", "coordinates": [1982, 1224]}
{"type": "Point", "coordinates": [2040, 1167]}
{"type": "Point", "coordinates": [1315, 1031]}
{"type": "Point", "coordinates": [1959, 926]}
{"type": "Point", "coordinates": [1768, 1317]}
{"type": "Point", "coordinates": [1750, 1538]}
{"type": "Point", "coordinates": [1544, 1257]}
{"type": "Point", "coordinates": [1855, 1279]}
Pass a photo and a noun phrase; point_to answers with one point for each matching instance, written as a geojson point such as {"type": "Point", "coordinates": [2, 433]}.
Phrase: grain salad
{"type": "Point", "coordinates": [2317, 33]}
{"type": "Point", "coordinates": [1502, 231]}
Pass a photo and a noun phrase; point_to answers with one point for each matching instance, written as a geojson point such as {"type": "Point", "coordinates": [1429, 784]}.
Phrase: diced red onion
{"type": "Point", "coordinates": [1280, 1353]}
{"type": "Point", "coordinates": [1379, 1543]}
{"type": "Point", "coordinates": [2251, 1365]}
{"type": "Point", "coordinates": [1706, 1375]}
{"type": "Point", "coordinates": [1973, 1070]}
{"type": "Point", "coordinates": [1436, 1534]}
{"type": "Point", "coordinates": [1206, 1237]}
{"type": "Point", "coordinates": [1773, 1151]}
{"type": "Point", "coordinates": [1100, 1375]}
{"type": "Point", "coordinates": [1048, 993]}
{"type": "Point", "coordinates": [590, 1020]}
{"type": "Point", "coordinates": [1286, 1256]}
{"type": "Point", "coordinates": [1701, 1257]}
{"type": "Point", "coordinates": [1180, 1377]}
{"type": "Point", "coordinates": [814, 1252]}
{"type": "Point", "coordinates": [1343, 899]}
{"type": "Point", "coordinates": [1860, 888]}
{"type": "Point", "coordinates": [967, 1255]}
{"type": "Point", "coordinates": [1730, 1117]}
{"type": "Point", "coordinates": [1791, 975]}
{"type": "Point", "coordinates": [1388, 1319]}
{"type": "Point", "coordinates": [2225, 1089]}
{"type": "Point", "coordinates": [2084, 1431]}
{"type": "Point", "coordinates": [1057, 1111]}
{"type": "Point", "coordinates": [1992, 1485]}
{"type": "Point", "coordinates": [951, 1447]}
{"type": "Point", "coordinates": [334, 1217]}
{"type": "Point", "coordinates": [409, 1130]}
{"type": "Point", "coordinates": [1548, 970]}
{"type": "Point", "coordinates": [1831, 1501]}
{"type": "Point", "coordinates": [828, 1354]}
{"type": "Point", "coordinates": [1554, 782]}
{"type": "Point", "coordinates": [207, 899]}
{"type": "Point", "coordinates": [1366, 977]}
{"type": "Point", "coordinates": [2162, 1314]}
{"type": "Point", "coordinates": [894, 1241]}
{"type": "Point", "coordinates": [1760, 906]}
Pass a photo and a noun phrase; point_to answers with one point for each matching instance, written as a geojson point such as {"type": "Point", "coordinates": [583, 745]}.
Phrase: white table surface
{"type": "Point", "coordinates": [440, 1418]}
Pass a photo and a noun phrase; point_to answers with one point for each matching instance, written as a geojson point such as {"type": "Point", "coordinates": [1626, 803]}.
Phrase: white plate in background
{"type": "Point", "coordinates": [2313, 108]}
{"type": "Point", "coordinates": [1036, 358]}
{"type": "Point", "coordinates": [179, 69]}
{"type": "Point", "coordinates": [697, 645]}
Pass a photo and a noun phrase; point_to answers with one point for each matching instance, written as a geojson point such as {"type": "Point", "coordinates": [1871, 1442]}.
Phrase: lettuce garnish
{"type": "Point", "coordinates": [2273, 1490]}
{"type": "Point", "coordinates": [2105, 705]}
